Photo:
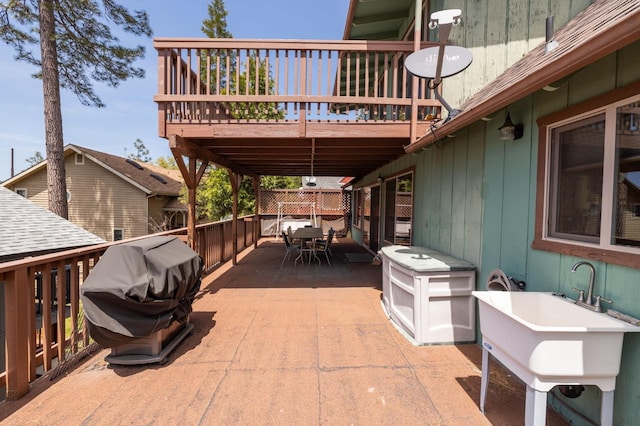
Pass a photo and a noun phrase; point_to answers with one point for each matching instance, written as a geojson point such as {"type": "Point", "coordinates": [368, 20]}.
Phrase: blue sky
{"type": "Point", "coordinates": [130, 113]}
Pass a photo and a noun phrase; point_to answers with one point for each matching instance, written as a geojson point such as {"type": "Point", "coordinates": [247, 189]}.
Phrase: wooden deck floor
{"type": "Point", "coordinates": [305, 345]}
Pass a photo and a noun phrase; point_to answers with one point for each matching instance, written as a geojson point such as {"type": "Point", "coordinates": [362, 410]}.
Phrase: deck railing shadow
{"type": "Point", "coordinates": [40, 335]}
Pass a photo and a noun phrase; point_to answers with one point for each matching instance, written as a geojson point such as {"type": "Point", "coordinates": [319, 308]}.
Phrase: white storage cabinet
{"type": "Point", "coordinates": [427, 294]}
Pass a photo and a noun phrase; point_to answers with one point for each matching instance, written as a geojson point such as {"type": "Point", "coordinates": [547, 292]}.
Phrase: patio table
{"type": "Point", "coordinates": [307, 235]}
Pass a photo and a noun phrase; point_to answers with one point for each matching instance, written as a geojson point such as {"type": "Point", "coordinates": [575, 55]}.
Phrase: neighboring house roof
{"type": "Point", "coordinates": [26, 229]}
{"type": "Point", "coordinates": [175, 205]}
{"type": "Point", "coordinates": [153, 179]}
{"type": "Point", "coordinates": [599, 30]}
{"type": "Point", "coordinates": [148, 178]}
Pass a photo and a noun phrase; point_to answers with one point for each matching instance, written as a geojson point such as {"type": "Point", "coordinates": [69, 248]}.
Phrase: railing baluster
{"type": "Point", "coordinates": [276, 88]}
{"type": "Point", "coordinates": [348, 76]}
{"type": "Point", "coordinates": [318, 105]}
{"type": "Point", "coordinates": [296, 77]}
{"type": "Point", "coordinates": [85, 273]}
{"type": "Point", "coordinates": [357, 88]}
{"type": "Point", "coordinates": [46, 311]}
{"type": "Point", "coordinates": [286, 77]}
{"type": "Point", "coordinates": [75, 303]}
{"type": "Point", "coordinates": [329, 87]}
{"type": "Point", "coordinates": [61, 312]}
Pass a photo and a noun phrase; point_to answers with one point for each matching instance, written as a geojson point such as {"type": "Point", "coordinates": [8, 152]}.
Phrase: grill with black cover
{"type": "Point", "coordinates": [137, 299]}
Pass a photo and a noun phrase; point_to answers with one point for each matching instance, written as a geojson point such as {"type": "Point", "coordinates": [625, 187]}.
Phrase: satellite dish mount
{"type": "Point", "coordinates": [436, 63]}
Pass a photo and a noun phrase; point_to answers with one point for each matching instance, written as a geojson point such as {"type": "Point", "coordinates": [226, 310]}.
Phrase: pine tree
{"type": "Point", "coordinates": [77, 47]}
{"type": "Point", "coordinates": [214, 195]}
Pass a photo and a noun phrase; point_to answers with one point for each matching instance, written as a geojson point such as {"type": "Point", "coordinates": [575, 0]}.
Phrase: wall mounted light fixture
{"type": "Point", "coordinates": [510, 131]}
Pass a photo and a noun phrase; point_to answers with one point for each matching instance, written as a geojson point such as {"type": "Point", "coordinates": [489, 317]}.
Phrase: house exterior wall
{"type": "Point", "coordinates": [475, 197]}
{"type": "Point", "coordinates": [100, 200]}
{"type": "Point", "coordinates": [498, 40]}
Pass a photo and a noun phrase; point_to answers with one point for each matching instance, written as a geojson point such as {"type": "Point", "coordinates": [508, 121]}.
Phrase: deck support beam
{"type": "Point", "coordinates": [235, 180]}
{"type": "Point", "coordinates": [257, 228]}
{"type": "Point", "coordinates": [191, 176]}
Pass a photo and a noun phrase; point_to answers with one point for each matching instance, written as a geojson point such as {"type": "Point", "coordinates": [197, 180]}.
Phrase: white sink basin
{"type": "Point", "coordinates": [547, 339]}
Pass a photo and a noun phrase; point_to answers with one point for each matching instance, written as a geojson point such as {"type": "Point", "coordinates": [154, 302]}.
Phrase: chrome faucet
{"type": "Point", "coordinates": [588, 302]}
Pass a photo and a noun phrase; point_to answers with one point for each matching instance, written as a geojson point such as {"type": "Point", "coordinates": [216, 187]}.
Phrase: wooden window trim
{"type": "Point", "coordinates": [113, 234]}
{"type": "Point", "coordinates": [565, 247]}
{"type": "Point", "coordinates": [394, 177]}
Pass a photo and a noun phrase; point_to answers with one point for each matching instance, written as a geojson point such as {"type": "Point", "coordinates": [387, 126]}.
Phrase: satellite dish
{"type": "Point", "coordinates": [424, 63]}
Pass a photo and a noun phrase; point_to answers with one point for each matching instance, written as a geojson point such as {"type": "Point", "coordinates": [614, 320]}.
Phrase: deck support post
{"type": "Point", "coordinates": [235, 179]}
{"type": "Point", "coordinates": [417, 37]}
{"type": "Point", "coordinates": [257, 228]}
{"type": "Point", "coordinates": [17, 332]}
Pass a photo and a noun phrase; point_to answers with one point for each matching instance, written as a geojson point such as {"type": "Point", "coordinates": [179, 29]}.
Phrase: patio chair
{"type": "Point", "coordinates": [324, 246]}
{"type": "Point", "coordinates": [289, 248]}
{"type": "Point", "coordinates": [291, 239]}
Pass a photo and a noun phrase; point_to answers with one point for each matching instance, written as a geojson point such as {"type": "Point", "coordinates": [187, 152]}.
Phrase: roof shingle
{"type": "Point", "coordinates": [27, 229]}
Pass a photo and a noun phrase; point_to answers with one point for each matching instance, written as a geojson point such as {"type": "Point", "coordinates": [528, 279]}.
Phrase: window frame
{"type": "Point", "coordinates": [22, 192]}
{"type": "Point", "coordinates": [607, 251]}
{"type": "Point", "coordinates": [113, 234]}
{"type": "Point", "coordinates": [357, 208]}
{"type": "Point", "coordinates": [393, 180]}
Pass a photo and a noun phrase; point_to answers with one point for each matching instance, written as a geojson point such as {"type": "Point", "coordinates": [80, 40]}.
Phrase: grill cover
{"type": "Point", "coordinates": [140, 287]}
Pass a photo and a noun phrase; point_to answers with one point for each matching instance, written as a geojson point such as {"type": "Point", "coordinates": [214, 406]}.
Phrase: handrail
{"type": "Point", "coordinates": [52, 328]}
{"type": "Point", "coordinates": [203, 80]}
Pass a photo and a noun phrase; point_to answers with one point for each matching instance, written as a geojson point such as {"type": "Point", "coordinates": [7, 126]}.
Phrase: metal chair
{"type": "Point", "coordinates": [324, 246]}
{"type": "Point", "coordinates": [289, 248]}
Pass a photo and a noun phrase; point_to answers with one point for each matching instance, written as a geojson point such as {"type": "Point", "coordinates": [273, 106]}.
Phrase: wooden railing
{"type": "Point", "coordinates": [51, 330]}
{"type": "Point", "coordinates": [205, 80]}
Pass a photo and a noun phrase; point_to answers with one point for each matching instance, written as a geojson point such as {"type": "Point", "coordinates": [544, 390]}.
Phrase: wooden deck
{"type": "Point", "coordinates": [303, 344]}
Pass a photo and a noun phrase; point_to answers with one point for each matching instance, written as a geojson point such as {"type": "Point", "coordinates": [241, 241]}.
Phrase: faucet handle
{"type": "Point", "coordinates": [580, 294]}
{"type": "Point", "coordinates": [599, 299]}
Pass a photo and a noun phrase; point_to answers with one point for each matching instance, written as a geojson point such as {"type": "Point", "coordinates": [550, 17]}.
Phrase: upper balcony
{"type": "Point", "coordinates": [333, 107]}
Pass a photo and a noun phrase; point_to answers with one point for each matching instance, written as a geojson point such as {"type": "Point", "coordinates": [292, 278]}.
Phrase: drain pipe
{"type": "Point", "coordinates": [551, 43]}
{"type": "Point", "coordinates": [557, 399]}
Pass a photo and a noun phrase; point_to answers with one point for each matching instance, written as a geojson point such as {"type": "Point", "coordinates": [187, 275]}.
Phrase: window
{"type": "Point", "coordinates": [588, 193]}
{"type": "Point", "coordinates": [357, 207]}
{"type": "Point", "coordinates": [118, 234]}
{"type": "Point", "coordinates": [398, 209]}
{"type": "Point", "coordinates": [79, 159]}
{"type": "Point", "coordinates": [22, 192]}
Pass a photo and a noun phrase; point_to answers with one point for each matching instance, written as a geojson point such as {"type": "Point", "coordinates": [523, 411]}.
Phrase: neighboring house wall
{"type": "Point", "coordinates": [156, 213]}
{"type": "Point", "coordinates": [498, 33]}
{"type": "Point", "coordinates": [100, 201]}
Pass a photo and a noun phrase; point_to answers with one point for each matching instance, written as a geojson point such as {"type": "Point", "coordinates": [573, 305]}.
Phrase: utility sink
{"type": "Point", "coordinates": [547, 340]}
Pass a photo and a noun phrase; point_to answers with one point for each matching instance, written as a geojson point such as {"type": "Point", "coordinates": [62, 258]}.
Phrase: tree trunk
{"type": "Point", "coordinates": [56, 180]}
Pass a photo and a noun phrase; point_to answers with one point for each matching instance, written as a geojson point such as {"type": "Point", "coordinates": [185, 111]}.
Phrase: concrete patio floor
{"type": "Point", "coordinates": [290, 345]}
